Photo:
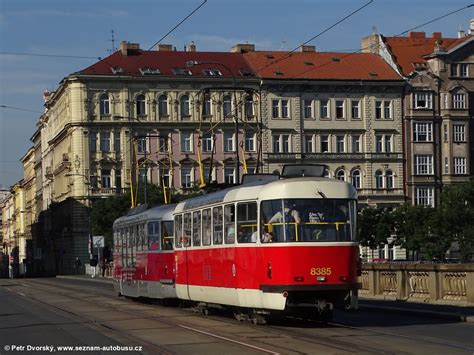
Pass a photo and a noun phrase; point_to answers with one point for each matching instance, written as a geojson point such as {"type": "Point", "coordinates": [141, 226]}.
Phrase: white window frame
{"type": "Point", "coordinates": [356, 179]}
{"type": "Point", "coordinates": [356, 143]}
{"type": "Point", "coordinates": [229, 141]}
{"type": "Point", "coordinates": [459, 101]}
{"type": "Point", "coordinates": [207, 143]}
{"type": "Point", "coordinates": [186, 142]}
{"type": "Point", "coordinates": [340, 105]}
{"type": "Point", "coordinates": [163, 109]}
{"type": "Point", "coordinates": [309, 143]}
{"type": "Point", "coordinates": [281, 143]}
{"type": "Point", "coordinates": [459, 164]}
{"type": "Point", "coordinates": [325, 109]}
{"type": "Point", "coordinates": [140, 105]}
{"type": "Point", "coordinates": [384, 143]}
{"type": "Point", "coordinates": [327, 141]}
{"type": "Point", "coordinates": [308, 111]}
{"type": "Point", "coordinates": [355, 109]}
{"type": "Point", "coordinates": [459, 133]}
{"type": "Point", "coordinates": [422, 96]}
{"type": "Point", "coordinates": [423, 164]}
{"type": "Point", "coordinates": [280, 108]}
{"type": "Point", "coordinates": [249, 143]}
{"type": "Point", "coordinates": [423, 129]}
{"type": "Point", "coordinates": [424, 196]}
{"type": "Point", "coordinates": [464, 70]}
{"type": "Point", "coordinates": [104, 105]}
{"type": "Point", "coordinates": [340, 143]}
{"type": "Point", "coordinates": [186, 179]}
{"type": "Point", "coordinates": [229, 177]}
{"type": "Point", "coordinates": [106, 179]}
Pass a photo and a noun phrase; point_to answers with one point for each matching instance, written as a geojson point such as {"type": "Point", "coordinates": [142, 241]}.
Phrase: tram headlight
{"type": "Point", "coordinates": [321, 278]}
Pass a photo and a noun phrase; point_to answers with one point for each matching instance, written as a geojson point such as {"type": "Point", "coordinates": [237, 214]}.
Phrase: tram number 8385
{"type": "Point", "coordinates": [317, 271]}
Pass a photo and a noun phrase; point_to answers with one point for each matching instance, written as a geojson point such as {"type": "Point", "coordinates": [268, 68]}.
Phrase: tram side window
{"type": "Point", "coordinates": [143, 238]}
{"type": "Point", "coordinates": [229, 224]}
{"type": "Point", "coordinates": [132, 240]}
{"type": "Point", "coordinates": [167, 235]}
{"type": "Point", "coordinates": [138, 238]}
{"type": "Point", "coordinates": [178, 228]}
{"type": "Point", "coordinates": [153, 235]}
{"type": "Point", "coordinates": [217, 225]}
{"type": "Point", "coordinates": [206, 227]}
{"type": "Point", "coordinates": [186, 230]}
{"type": "Point", "coordinates": [197, 228]}
{"type": "Point", "coordinates": [246, 222]}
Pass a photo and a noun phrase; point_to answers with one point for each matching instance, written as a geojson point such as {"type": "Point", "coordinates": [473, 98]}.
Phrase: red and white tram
{"type": "Point", "coordinates": [269, 246]}
{"type": "Point", "coordinates": [143, 253]}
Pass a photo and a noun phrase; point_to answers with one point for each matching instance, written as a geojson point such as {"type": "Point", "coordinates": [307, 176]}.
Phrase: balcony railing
{"type": "Point", "coordinates": [325, 157]}
{"type": "Point", "coordinates": [106, 191]}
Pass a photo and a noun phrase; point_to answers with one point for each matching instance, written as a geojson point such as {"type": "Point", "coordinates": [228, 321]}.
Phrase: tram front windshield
{"type": "Point", "coordinates": [308, 220]}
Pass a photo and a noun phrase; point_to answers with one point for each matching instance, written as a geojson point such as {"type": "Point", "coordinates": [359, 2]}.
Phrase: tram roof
{"type": "Point", "coordinates": [301, 187]}
{"type": "Point", "coordinates": [163, 212]}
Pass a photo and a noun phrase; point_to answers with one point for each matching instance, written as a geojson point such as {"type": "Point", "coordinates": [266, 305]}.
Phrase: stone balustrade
{"type": "Point", "coordinates": [420, 282]}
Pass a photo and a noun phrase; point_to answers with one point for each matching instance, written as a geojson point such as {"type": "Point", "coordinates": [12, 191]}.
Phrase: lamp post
{"type": "Point", "coordinates": [192, 63]}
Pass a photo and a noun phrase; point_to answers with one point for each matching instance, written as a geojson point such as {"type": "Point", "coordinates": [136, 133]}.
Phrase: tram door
{"type": "Point", "coordinates": [183, 242]}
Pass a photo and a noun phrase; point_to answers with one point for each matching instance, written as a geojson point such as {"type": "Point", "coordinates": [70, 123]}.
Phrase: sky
{"type": "Point", "coordinates": [83, 28]}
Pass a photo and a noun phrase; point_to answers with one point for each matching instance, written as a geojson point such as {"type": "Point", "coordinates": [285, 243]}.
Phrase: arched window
{"type": "Point", "coordinates": [341, 175]}
{"type": "Point", "coordinates": [356, 179]}
{"type": "Point", "coordinates": [389, 179]}
{"type": "Point", "coordinates": [227, 105]}
{"type": "Point", "coordinates": [104, 105]}
{"type": "Point", "coordinates": [163, 106]}
{"type": "Point", "coordinates": [184, 105]}
{"type": "Point", "coordinates": [378, 180]}
{"type": "Point", "coordinates": [140, 105]}
{"type": "Point", "coordinates": [249, 106]}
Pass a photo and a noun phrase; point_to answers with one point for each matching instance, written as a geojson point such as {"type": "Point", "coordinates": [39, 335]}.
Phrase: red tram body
{"type": "Point", "coordinates": [270, 246]}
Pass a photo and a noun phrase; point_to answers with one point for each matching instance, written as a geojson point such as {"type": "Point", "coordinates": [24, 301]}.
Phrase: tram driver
{"type": "Point", "coordinates": [290, 217]}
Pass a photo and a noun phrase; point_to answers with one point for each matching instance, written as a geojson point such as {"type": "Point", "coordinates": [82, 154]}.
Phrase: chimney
{"type": "Point", "coordinates": [461, 32]}
{"type": "Point", "coordinates": [416, 35]}
{"type": "Point", "coordinates": [192, 47]}
{"type": "Point", "coordinates": [471, 27]}
{"type": "Point", "coordinates": [308, 48]}
{"type": "Point", "coordinates": [437, 35]}
{"type": "Point", "coordinates": [243, 48]}
{"type": "Point", "coordinates": [165, 47]}
{"type": "Point", "coordinates": [128, 48]}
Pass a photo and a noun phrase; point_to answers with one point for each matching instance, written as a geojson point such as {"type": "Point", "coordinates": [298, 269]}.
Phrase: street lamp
{"type": "Point", "coordinates": [191, 63]}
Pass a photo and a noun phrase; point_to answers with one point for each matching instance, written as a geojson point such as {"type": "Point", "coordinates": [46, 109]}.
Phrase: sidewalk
{"type": "Point", "coordinates": [462, 313]}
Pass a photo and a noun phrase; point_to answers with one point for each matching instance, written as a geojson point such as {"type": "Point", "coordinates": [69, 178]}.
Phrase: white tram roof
{"type": "Point", "coordinates": [291, 188]}
{"type": "Point", "coordinates": [163, 212]}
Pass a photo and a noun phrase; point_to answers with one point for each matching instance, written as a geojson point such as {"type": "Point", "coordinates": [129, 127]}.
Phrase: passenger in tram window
{"type": "Point", "coordinates": [267, 237]}
{"type": "Point", "coordinates": [289, 215]}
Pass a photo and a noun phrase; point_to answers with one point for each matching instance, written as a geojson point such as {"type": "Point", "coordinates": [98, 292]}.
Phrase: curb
{"type": "Point", "coordinates": [89, 279]}
{"type": "Point", "coordinates": [455, 316]}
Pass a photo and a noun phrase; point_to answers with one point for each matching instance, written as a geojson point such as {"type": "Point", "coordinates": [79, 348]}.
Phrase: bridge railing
{"type": "Point", "coordinates": [422, 282]}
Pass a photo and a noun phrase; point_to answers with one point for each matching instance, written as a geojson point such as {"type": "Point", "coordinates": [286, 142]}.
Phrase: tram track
{"type": "Point", "coordinates": [260, 344]}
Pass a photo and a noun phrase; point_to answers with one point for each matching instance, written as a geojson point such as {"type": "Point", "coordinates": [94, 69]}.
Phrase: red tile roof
{"type": "Point", "coordinates": [229, 64]}
{"type": "Point", "coordinates": [412, 49]}
{"type": "Point", "coordinates": [320, 66]}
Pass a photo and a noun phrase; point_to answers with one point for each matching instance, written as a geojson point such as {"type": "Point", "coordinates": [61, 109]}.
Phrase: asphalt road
{"type": "Point", "coordinates": [58, 312]}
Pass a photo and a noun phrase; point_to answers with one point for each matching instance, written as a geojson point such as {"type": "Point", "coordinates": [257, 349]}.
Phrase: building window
{"type": "Point", "coordinates": [356, 179]}
{"type": "Point", "coordinates": [280, 109]}
{"type": "Point", "coordinates": [459, 166]}
{"type": "Point", "coordinates": [249, 107]}
{"type": "Point", "coordinates": [324, 109]}
{"type": "Point", "coordinates": [118, 180]}
{"type": "Point", "coordinates": [249, 142]}
{"type": "Point", "coordinates": [422, 100]}
{"type": "Point", "coordinates": [340, 109]}
{"type": "Point", "coordinates": [355, 109]}
{"type": "Point", "coordinates": [281, 143]}
{"type": "Point", "coordinates": [308, 108]}
{"type": "Point", "coordinates": [463, 70]}
{"type": "Point", "coordinates": [184, 106]}
{"type": "Point", "coordinates": [459, 133]}
{"type": "Point", "coordinates": [227, 106]}
{"type": "Point", "coordinates": [163, 144]}
{"type": "Point", "coordinates": [104, 105]}
{"type": "Point", "coordinates": [423, 132]}
{"type": "Point", "coordinates": [186, 178]}
{"type": "Point", "coordinates": [445, 133]}
{"type": "Point", "coordinates": [229, 175]}
{"type": "Point", "coordinates": [340, 144]}
{"type": "Point", "coordinates": [424, 196]}
{"type": "Point", "coordinates": [186, 141]}
{"type": "Point", "coordinates": [383, 143]}
{"type": "Point", "coordinates": [106, 178]}
{"type": "Point", "coordinates": [325, 143]}
{"type": "Point", "coordinates": [141, 145]}
{"type": "Point", "coordinates": [163, 106]}
{"type": "Point", "coordinates": [340, 175]}
{"type": "Point", "coordinates": [93, 142]}
{"type": "Point", "coordinates": [117, 142]}
{"type": "Point", "coordinates": [423, 164]}
{"type": "Point", "coordinates": [356, 144]}
{"type": "Point", "coordinates": [207, 106]}
{"type": "Point", "coordinates": [389, 182]}
{"type": "Point", "coordinates": [140, 105]}
{"type": "Point", "coordinates": [309, 143]}
{"type": "Point", "coordinates": [459, 101]}
{"type": "Point", "coordinates": [229, 142]}
{"type": "Point", "coordinates": [104, 142]}
{"type": "Point", "coordinates": [165, 177]}
{"type": "Point", "coordinates": [378, 180]}
{"type": "Point", "coordinates": [383, 109]}
{"type": "Point", "coordinates": [453, 69]}
{"type": "Point", "coordinates": [207, 143]}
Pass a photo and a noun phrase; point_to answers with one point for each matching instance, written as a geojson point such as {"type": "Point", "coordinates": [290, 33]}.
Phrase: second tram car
{"type": "Point", "coordinates": [143, 253]}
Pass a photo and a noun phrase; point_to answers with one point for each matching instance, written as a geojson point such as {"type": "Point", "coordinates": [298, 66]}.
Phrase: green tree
{"type": "Point", "coordinates": [456, 215]}
{"type": "Point", "coordinates": [375, 227]}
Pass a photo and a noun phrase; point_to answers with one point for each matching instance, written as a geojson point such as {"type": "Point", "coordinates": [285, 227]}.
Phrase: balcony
{"type": "Point", "coordinates": [106, 191]}
{"type": "Point", "coordinates": [281, 157]}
